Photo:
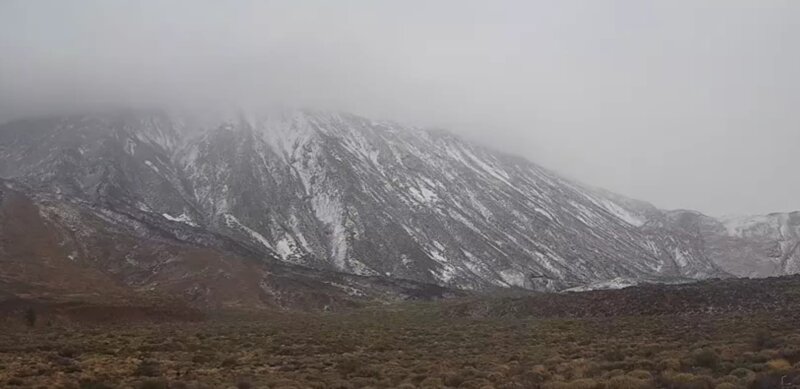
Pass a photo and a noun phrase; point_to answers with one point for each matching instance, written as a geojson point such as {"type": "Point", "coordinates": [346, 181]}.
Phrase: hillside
{"type": "Point", "coordinates": [199, 208]}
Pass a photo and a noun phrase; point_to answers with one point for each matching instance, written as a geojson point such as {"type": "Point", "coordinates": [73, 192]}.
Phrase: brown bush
{"type": "Point", "coordinates": [706, 357]}
{"type": "Point", "coordinates": [148, 368]}
{"type": "Point", "coordinates": [779, 365]}
{"type": "Point", "coordinates": [628, 382]}
{"type": "Point", "coordinates": [153, 383]}
{"type": "Point", "coordinates": [765, 339]}
{"type": "Point", "coordinates": [584, 383]}
{"type": "Point", "coordinates": [688, 381]}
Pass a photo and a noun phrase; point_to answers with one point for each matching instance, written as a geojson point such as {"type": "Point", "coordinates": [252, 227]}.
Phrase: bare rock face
{"type": "Point", "coordinates": [344, 194]}
{"type": "Point", "coordinates": [755, 246]}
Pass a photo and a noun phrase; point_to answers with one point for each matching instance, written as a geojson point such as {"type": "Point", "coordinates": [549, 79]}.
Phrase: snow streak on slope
{"type": "Point", "coordinates": [777, 234]}
{"type": "Point", "coordinates": [342, 192]}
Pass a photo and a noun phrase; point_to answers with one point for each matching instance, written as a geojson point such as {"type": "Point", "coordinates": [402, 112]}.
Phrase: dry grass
{"type": "Point", "coordinates": [413, 346]}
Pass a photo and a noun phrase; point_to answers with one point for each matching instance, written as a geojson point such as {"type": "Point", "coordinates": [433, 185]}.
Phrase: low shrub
{"type": "Point", "coordinates": [148, 368]}
{"type": "Point", "coordinates": [705, 358]}
{"type": "Point", "coordinates": [779, 365]}
{"type": "Point", "coordinates": [154, 383]}
{"type": "Point", "coordinates": [628, 382]}
{"type": "Point", "coordinates": [688, 381]}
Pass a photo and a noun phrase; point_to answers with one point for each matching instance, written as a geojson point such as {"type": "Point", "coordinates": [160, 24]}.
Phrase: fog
{"type": "Point", "coordinates": [686, 104]}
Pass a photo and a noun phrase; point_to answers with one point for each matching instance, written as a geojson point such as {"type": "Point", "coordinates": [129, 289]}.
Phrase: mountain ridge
{"type": "Point", "coordinates": [339, 192]}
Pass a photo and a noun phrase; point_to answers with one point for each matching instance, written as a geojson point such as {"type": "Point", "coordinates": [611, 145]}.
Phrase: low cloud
{"type": "Point", "coordinates": [684, 103]}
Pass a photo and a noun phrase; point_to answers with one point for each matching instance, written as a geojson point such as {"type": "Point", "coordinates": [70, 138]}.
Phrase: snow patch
{"type": "Point", "coordinates": [299, 234]}
{"type": "Point", "coordinates": [351, 291]}
{"type": "Point", "coordinates": [544, 213]}
{"type": "Point", "coordinates": [330, 212]}
{"type": "Point", "coordinates": [130, 147]}
{"type": "Point", "coordinates": [615, 283]}
{"type": "Point", "coordinates": [152, 166]}
{"type": "Point", "coordinates": [360, 268]}
{"type": "Point", "coordinates": [233, 222]}
{"type": "Point", "coordinates": [444, 273]}
{"type": "Point", "coordinates": [404, 259]}
{"type": "Point", "coordinates": [283, 248]}
{"type": "Point", "coordinates": [680, 257]}
{"type": "Point", "coordinates": [752, 225]}
{"type": "Point", "coordinates": [182, 218]}
{"type": "Point", "coordinates": [437, 256]}
{"type": "Point", "coordinates": [513, 277]}
{"type": "Point", "coordinates": [621, 213]}
{"type": "Point", "coordinates": [423, 195]}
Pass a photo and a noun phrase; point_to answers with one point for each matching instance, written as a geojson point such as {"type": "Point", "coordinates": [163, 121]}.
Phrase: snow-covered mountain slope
{"type": "Point", "coordinates": [756, 246]}
{"type": "Point", "coordinates": [345, 193]}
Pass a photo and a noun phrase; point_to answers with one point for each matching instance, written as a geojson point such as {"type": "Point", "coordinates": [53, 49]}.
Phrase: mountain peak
{"type": "Point", "coordinates": [340, 192]}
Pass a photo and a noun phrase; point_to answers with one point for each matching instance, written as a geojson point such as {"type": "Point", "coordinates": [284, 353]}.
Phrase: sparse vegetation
{"type": "Point", "coordinates": [30, 317]}
{"type": "Point", "coordinates": [148, 368]}
{"type": "Point", "coordinates": [407, 346]}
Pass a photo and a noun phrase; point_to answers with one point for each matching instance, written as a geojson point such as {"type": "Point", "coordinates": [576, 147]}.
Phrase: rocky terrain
{"type": "Point", "coordinates": [713, 297]}
{"type": "Point", "coordinates": [235, 208]}
{"type": "Point", "coordinates": [710, 335]}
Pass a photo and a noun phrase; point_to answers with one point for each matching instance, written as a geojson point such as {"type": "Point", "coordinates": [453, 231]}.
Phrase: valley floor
{"type": "Point", "coordinates": [408, 346]}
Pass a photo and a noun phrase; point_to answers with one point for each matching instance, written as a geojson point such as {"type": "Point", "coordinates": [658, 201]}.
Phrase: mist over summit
{"type": "Point", "coordinates": [343, 193]}
{"type": "Point", "coordinates": [626, 96]}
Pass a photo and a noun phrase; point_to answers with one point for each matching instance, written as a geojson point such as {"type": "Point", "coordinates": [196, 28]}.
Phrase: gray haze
{"type": "Point", "coordinates": [687, 104]}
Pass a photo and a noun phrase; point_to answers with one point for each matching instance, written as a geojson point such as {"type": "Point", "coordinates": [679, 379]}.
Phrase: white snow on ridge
{"type": "Point", "coordinates": [513, 277]}
{"type": "Point", "coordinates": [182, 218]}
{"type": "Point", "coordinates": [423, 195]}
{"type": "Point", "coordinates": [483, 166]}
{"type": "Point", "coordinates": [437, 256]}
{"type": "Point", "coordinates": [286, 135]}
{"type": "Point", "coordinates": [445, 273]}
{"type": "Point", "coordinates": [680, 257]}
{"type": "Point", "coordinates": [152, 166]}
{"type": "Point", "coordinates": [299, 234]}
{"type": "Point", "coordinates": [330, 211]}
{"type": "Point", "coordinates": [615, 283]}
{"type": "Point", "coordinates": [232, 221]}
{"type": "Point", "coordinates": [621, 213]}
{"type": "Point", "coordinates": [741, 225]}
{"type": "Point", "coordinates": [612, 207]}
{"type": "Point", "coordinates": [348, 289]}
{"type": "Point", "coordinates": [583, 214]}
{"type": "Point", "coordinates": [155, 134]}
{"type": "Point", "coordinates": [360, 268]}
{"type": "Point", "coordinates": [130, 146]}
{"type": "Point", "coordinates": [283, 248]}
{"type": "Point", "coordinates": [544, 213]}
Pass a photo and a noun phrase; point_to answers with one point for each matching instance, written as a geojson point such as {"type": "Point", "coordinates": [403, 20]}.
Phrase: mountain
{"type": "Point", "coordinates": [342, 194]}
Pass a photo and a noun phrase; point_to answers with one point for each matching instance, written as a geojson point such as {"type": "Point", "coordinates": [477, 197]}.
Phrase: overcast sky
{"type": "Point", "coordinates": [687, 104]}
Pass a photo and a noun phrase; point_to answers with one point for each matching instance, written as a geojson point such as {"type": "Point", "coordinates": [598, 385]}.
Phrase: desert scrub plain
{"type": "Point", "coordinates": [412, 345]}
